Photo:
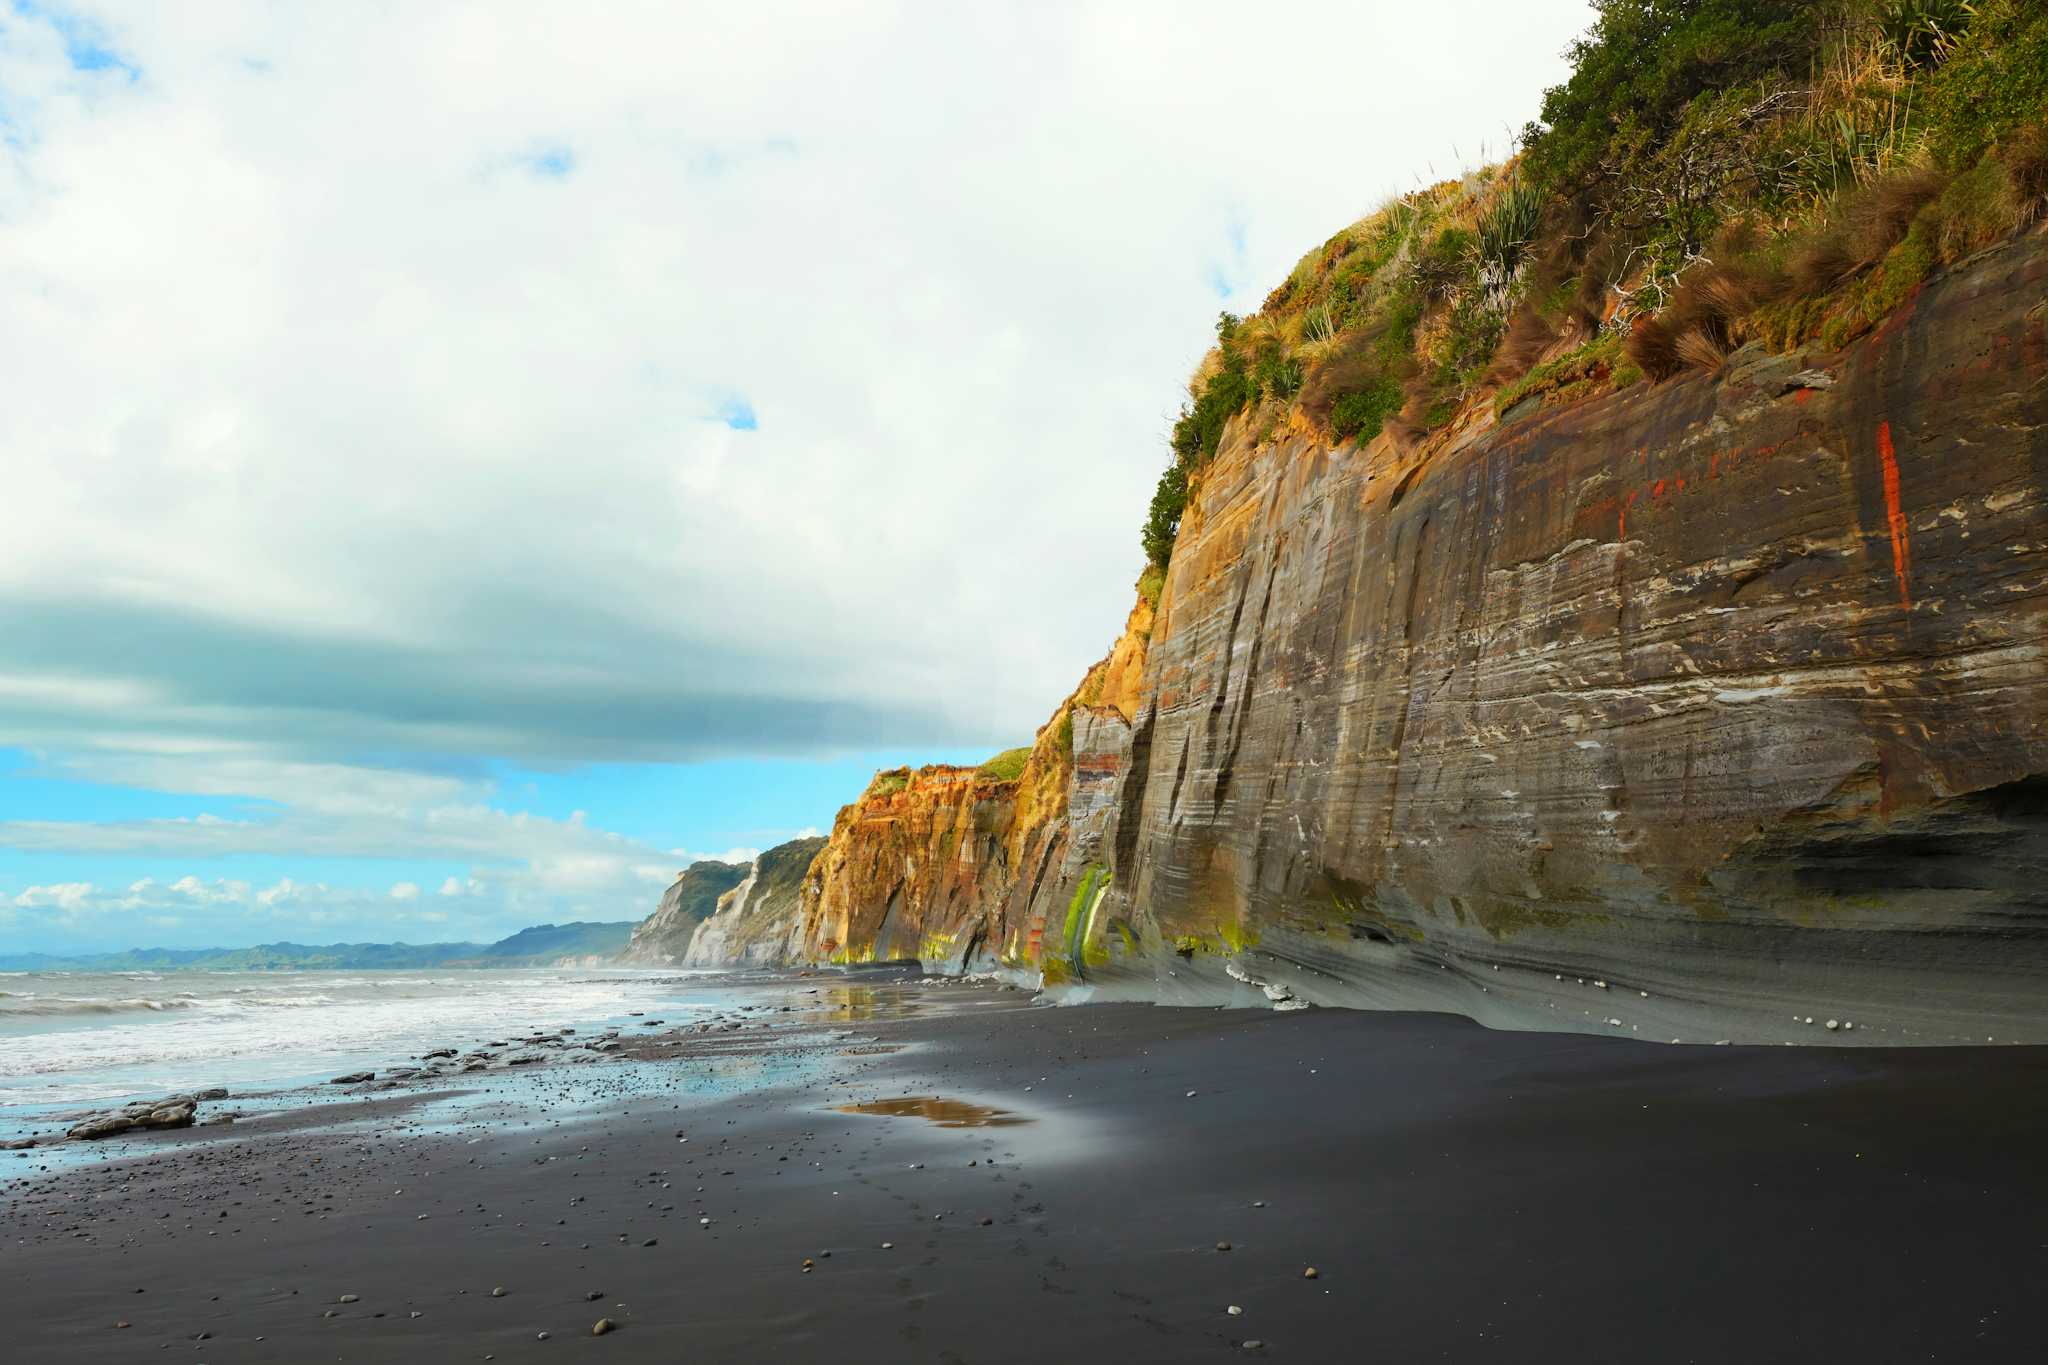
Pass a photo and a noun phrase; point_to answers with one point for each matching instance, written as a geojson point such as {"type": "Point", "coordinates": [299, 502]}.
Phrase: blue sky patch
{"type": "Point", "coordinates": [554, 162]}
{"type": "Point", "coordinates": [736, 412]}
{"type": "Point", "coordinates": [85, 42]}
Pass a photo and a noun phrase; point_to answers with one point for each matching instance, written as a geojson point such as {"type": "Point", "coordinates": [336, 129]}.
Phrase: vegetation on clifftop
{"type": "Point", "coordinates": [1713, 172]}
{"type": "Point", "coordinates": [1008, 765]}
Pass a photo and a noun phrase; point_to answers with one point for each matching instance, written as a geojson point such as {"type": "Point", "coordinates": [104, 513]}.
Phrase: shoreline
{"type": "Point", "coordinates": [1458, 1190]}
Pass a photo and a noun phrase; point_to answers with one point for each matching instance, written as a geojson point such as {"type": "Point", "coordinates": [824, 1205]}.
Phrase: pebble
{"type": "Point", "coordinates": [540, 1336]}
{"type": "Point", "coordinates": [1234, 1311]}
{"type": "Point", "coordinates": [1191, 1094]}
{"type": "Point", "coordinates": [1309, 1274]}
{"type": "Point", "coordinates": [601, 1326]}
{"type": "Point", "coordinates": [499, 1292]}
{"type": "Point", "coordinates": [349, 1298]}
{"type": "Point", "coordinates": [1223, 1246]}
{"type": "Point", "coordinates": [1254, 1344]}
{"type": "Point", "coordinates": [888, 1246]}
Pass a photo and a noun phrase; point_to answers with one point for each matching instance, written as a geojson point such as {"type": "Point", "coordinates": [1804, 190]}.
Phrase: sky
{"type": "Point", "coordinates": [460, 463]}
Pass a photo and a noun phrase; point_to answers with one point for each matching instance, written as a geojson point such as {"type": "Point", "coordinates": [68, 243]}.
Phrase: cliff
{"type": "Point", "coordinates": [961, 869]}
{"type": "Point", "coordinates": [1692, 710]}
{"type": "Point", "coordinates": [663, 938]}
{"type": "Point", "coordinates": [753, 923]}
{"type": "Point", "coordinates": [1607, 590]}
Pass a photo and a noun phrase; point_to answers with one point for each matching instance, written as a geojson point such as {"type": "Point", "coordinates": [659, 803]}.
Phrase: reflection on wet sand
{"type": "Point", "coordinates": [855, 1003]}
{"type": "Point", "coordinates": [944, 1112]}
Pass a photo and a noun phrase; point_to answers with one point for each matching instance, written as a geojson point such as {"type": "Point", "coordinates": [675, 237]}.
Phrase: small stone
{"type": "Point", "coordinates": [1254, 1344]}
{"type": "Point", "coordinates": [1310, 1273]}
{"type": "Point", "coordinates": [349, 1298]}
{"type": "Point", "coordinates": [888, 1246]}
{"type": "Point", "coordinates": [1191, 1094]}
{"type": "Point", "coordinates": [985, 1220]}
{"type": "Point", "coordinates": [1234, 1311]}
{"type": "Point", "coordinates": [540, 1336]}
{"type": "Point", "coordinates": [601, 1326]}
{"type": "Point", "coordinates": [120, 1324]}
{"type": "Point", "coordinates": [1834, 1024]}
{"type": "Point", "coordinates": [593, 1296]}
{"type": "Point", "coordinates": [651, 1241]}
{"type": "Point", "coordinates": [499, 1292]}
{"type": "Point", "coordinates": [1223, 1246]}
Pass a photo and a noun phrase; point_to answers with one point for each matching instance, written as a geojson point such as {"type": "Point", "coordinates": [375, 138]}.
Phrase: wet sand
{"type": "Point", "coordinates": [1461, 1195]}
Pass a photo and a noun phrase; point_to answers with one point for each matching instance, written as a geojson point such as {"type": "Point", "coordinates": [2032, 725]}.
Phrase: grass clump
{"type": "Point", "coordinates": [1151, 583]}
{"type": "Point", "coordinates": [888, 783]}
{"type": "Point", "coordinates": [1006, 766]}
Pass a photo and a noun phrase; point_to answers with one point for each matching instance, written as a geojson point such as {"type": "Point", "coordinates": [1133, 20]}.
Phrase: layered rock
{"type": "Point", "coordinates": [958, 869]}
{"type": "Point", "coordinates": [663, 938]}
{"type": "Point", "coordinates": [755, 922]}
{"type": "Point", "coordinates": [1697, 710]}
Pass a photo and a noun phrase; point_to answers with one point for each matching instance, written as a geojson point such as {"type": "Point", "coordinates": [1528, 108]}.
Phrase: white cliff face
{"type": "Point", "coordinates": [712, 945]}
{"type": "Point", "coordinates": [663, 939]}
{"type": "Point", "coordinates": [759, 922]}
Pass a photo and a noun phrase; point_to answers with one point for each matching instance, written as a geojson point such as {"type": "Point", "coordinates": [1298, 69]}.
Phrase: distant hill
{"type": "Point", "coordinates": [539, 946]}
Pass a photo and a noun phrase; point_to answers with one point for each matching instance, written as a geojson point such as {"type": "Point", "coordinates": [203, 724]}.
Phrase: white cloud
{"type": "Point", "coordinates": [394, 347]}
{"type": "Point", "coordinates": [65, 895]}
{"type": "Point", "coordinates": [455, 383]}
{"type": "Point", "coordinates": [683, 857]}
{"type": "Point", "coordinates": [405, 891]}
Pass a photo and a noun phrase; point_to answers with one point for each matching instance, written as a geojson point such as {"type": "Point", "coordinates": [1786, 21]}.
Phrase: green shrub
{"type": "Point", "coordinates": [1162, 521]}
{"type": "Point", "coordinates": [1639, 69]}
{"type": "Point", "coordinates": [1006, 766]}
{"type": "Point", "coordinates": [1994, 81]}
{"type": "Point", "coordinates": [1363, 412]}
{"type": "Point", "coordinates": [889, 783]}
{"type": "Point", "coordinates": [1275, 376]}
{"type": "Point", "coordinates": [1200, 428]}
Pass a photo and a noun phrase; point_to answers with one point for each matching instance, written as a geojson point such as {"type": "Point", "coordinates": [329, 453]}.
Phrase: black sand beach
{"type": "Point", "coordinates": [1460, 1195]}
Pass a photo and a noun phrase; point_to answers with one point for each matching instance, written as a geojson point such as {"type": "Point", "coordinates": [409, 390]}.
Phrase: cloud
{"type": "Point", "coordinates": [396, 395]}
{"type": "Point", "coordinates": [320, 436]}
{"type": "Point", "coordinates": [744, 853]}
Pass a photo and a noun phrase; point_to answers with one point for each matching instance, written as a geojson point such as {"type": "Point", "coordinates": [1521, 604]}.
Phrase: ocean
{"type": "Point", "coordinates": [71, 1040]}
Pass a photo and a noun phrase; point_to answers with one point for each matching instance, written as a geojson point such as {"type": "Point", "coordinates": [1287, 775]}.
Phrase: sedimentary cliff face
{"type": "Point", "coordinates": [1687, 712]}
{"type": "Point", "coordinates": [756, 920]}
{"type": "Point", "coordinates": [663, 938]}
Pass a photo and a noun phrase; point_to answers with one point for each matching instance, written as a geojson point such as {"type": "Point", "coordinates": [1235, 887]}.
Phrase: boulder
{"type": "Point", "coordinates": [172, 1112]}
